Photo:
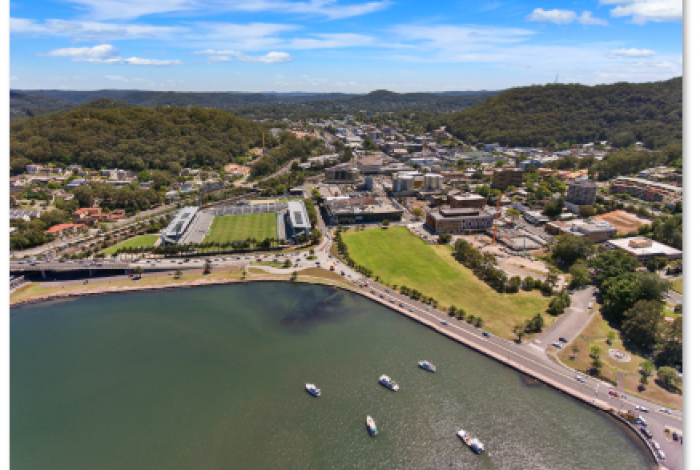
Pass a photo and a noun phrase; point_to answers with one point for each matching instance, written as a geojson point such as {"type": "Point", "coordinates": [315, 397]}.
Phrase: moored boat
{"type": "Point", "coordinates": [371, 427]}
{"type": "Point", "coordinates": [388, 383]}
{"type": "Point", "coordinates": [313, 390]}
{"type": "Point", "coordinates": [474, 444]}
{"type": "Point", "coordinates": [427, 366]}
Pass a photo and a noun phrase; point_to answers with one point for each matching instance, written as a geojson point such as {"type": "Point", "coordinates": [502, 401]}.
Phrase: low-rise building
{"type": "Point", "coordinates": [645, 190]}
{"type": "Point", "coordinates": [455, 221]}
{"type": "Point", "coordinates": [644, 248]}
{"type": "Point", "coordinates": [465, 201]}
{"type": "Point", "coordinates": [503, 178]}
{"type": "Point", "coordinates": [343, 173]}
{"type": "Point", "coordinates": [62, 230]}
{"type": "Point", "coordinates": [581, 192]}
{"type": "Point", "coordinates": [344, 210]}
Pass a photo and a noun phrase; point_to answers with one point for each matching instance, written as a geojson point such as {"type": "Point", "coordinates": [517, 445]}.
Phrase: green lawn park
{"type": "Point", "coordinates": [142, 240]}
{"type": "Point", "coordinates": [400, 258]}
{"type": "Point", "coordinates": [228, 228]}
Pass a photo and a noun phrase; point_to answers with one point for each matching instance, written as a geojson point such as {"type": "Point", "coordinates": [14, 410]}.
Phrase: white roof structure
{"type": "Point", "coordinates": [298, 216]}
{"type": "Point", "coordinates": [642, 247]}
{"type": "Point", "coordinates": [180, 222]}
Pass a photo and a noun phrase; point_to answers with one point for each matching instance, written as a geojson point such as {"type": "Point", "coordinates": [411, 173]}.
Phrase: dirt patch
{"type": "Point", "coordinates": [623, 221]}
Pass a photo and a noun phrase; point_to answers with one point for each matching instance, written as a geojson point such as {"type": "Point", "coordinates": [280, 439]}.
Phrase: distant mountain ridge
{"type": "Point", "coordinates": [25, 103]}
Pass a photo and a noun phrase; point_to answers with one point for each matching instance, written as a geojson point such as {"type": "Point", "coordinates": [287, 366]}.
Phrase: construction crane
{"type": "Point", "coordinates": [495, 220]}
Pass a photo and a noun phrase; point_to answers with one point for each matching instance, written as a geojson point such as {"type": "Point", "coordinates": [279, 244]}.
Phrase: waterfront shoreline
{"type": "Point", "coordinates": [462, 339]}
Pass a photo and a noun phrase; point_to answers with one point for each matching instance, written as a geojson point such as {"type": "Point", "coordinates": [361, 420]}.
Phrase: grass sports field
{"type": "Point", "coordinates": [400, 258]}
{"type": "Point", "coordinates": [143, 240]}
{"type": "Point", "coordinates": [228, 228]}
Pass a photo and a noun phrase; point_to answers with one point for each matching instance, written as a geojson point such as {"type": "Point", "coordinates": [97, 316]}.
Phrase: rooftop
{"type": "Point", "coordinates": [643, 246]}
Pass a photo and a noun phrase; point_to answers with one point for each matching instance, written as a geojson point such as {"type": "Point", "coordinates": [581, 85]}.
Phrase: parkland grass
{"type": "Point", "coordinates": [142, 240]}
{"type": "Point", "coordinates": [229, 228]}
{"type": "Point", "coordinates": [400, 258]}
{"type": "Point", "coordinates": [677, 285]}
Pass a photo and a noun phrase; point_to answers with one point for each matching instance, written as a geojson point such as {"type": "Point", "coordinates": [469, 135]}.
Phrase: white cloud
{"type": "Point", "coordinates": [79, 30]}
{"type": "Point", "coordinates": [269, 58]}
{"type": "Point", "coordinates": [116, 78]}
{"type": "Point", "coordinates": [632, 53]}
{"type": "Point", "coordinates": [314, 81]}
{"type": "Point", "coordinates": [586, 17]}
{"type": "Point", "coordinates": [552, 16]}
{"type": "Point", "coordinates": [642, 11]}
{"type": "Point", "coordinates": [564, 17]}
{"type": "Point", "coordinates": [273, 57]}
{"type": "Point", "coordinates": [105, 54]}
{"type": "Point", "coordinates": [13, 78]}
{"type": "Point", "coordinates": [459, 38]}
{"type": "Point", "coordinates": [102, 53]}
{"type": "Point", "coordinates": [218, 58]}
{"type": "Point", "coordinates": [331, 41]}
{"type": "Point", "coordinates": [129, 9]}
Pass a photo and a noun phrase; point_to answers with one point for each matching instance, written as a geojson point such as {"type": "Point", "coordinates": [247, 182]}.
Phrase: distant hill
{"type": "Point", "coordinates": [28, 105]}
{"type": "Point", "coordinates": [257, 105]}
{"type": "Point", "coordinates": [623, 113]}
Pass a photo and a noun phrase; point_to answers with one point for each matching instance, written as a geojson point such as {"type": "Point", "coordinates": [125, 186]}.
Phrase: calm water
{"type": "Point", "coordinates": [213, 378]}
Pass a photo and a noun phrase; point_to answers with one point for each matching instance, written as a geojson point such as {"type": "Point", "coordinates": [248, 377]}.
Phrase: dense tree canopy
{"type": "Point", "coordinates": [134, 138]}
{"type": "Point", "coordinates": [622, 113]}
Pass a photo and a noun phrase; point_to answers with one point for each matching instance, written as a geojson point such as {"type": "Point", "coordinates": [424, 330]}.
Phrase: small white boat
{"type": "Point", "coordinates": [371, 427]}
{"type": "Point", "coordinates": [427, 366]}
{"type": "Point", "coordinates": [473, 443]}
{"type": "Point", "coordinates": [388, 383]}
{"type": "Point", "coordinates": [313, 390]}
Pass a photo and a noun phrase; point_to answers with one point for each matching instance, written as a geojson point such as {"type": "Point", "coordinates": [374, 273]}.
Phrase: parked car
{"type": "Point", "coordinates": [563, 340]}
{"type": "Point", "coordinates": [662, 456]}
{"type": "Point", "coordinates": [646, 432]}
{"type": "Point", "coordinates": [557, 344]}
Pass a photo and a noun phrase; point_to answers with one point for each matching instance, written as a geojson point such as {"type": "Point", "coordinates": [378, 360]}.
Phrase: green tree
{"type": "Point", "coordinates": [570, 249]}
{"type": "Point", "coordinates": [613, 263]}
{"type": "Point", "coordinates": [646, 369]}
{"type": "Point", "coordinates": [519, 332]}
{"type": "Point", "coordinates": [668, 378]}
{"type": "Point", "coordinates": [643, 323]}
{"type": "Point", "coordinates": [611, 337]}
{"type": "Point", "coordinates": [580, 275]}
{"type": "Point", "coordinates": [207, 267]}
{"type": "Point", "coordinates": [586, 211]}
{"type": "Point", "coordinates": [595, 351]}
{"type": "Point", "coordinates": [178, 274]}
{"type": "Point", "coordinates": [536, 323]}
{"type": "Point", "coordinates": [385, 223]}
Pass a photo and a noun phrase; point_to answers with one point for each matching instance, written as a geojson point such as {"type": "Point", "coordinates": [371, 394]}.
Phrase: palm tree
{"type": "Point", "coordinates": [207, 268]}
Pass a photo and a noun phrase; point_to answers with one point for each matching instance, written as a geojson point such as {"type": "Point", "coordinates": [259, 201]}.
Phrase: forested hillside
{"type": "Point", "coordinates": [134, 138]}
{"type": "Point", "coordinates": [622, 113]}
{"type": "Point", "coordinates": [24, 105]}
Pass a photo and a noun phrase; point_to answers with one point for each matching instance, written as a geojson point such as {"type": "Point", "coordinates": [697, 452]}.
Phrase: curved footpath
{"type": "Point", "coordinates": [519, 357]}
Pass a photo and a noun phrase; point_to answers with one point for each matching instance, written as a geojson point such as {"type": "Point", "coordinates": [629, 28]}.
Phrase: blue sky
{"type": "Point", "coordinates": [345, 45]}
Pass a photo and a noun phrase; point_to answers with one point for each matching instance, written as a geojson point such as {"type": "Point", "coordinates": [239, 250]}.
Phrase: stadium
{"type": "Point", "coordinates": [237, 223]}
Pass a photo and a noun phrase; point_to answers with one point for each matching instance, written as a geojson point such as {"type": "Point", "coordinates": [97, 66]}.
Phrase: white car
{"type": "Point", "coordinates": [662, 456]}
{"type": "Point", "coordinates": [665, 410]}
{"type": "Point", "coordinates": [580, 378]}
{"type": "Point", "coordinates": [641, 408]}
{"type": "Point", "coordinates": [655, 445]}
{"type": "Point", "coordinates": [557, 344]}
